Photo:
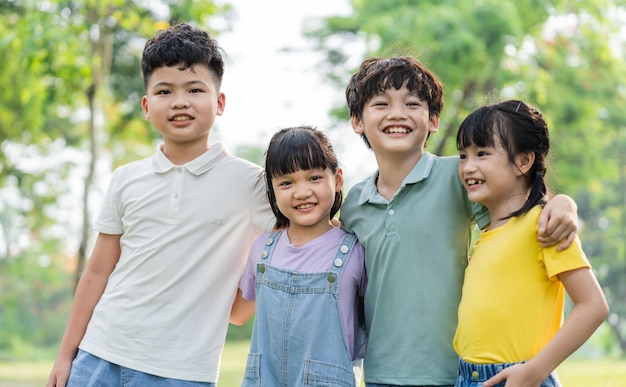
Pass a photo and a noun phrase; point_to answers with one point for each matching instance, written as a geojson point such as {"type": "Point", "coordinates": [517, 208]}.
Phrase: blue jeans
{"type": "Point", "coordinates": [474, 375]}
{"type": "Point", "coordinates": [91, 371]}
{"type": "Point", "coordinates": [394, 385]}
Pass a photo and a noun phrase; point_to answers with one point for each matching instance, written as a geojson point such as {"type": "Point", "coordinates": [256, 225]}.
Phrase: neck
{"type": "Point", "coordinates": [392, 172]}
{"type": "Point", "coordinates": [301, 235]}
{"type": "Point", "coordinates": [180, 154]}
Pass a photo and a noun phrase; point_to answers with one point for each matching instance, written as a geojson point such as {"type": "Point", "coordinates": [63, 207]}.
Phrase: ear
{"type": "Point", "coordinates": [221, 103]}
{"type": "Point", "coordinates": [339, 180]}
{"type": "Point", "coordinates": [433, 121]}
{"type": "Point", "coordinates": [144, 107]}
{"type": "Point", "coordinates": [357, 125]}
{"type": "Point", "coordinates": [524, 161]}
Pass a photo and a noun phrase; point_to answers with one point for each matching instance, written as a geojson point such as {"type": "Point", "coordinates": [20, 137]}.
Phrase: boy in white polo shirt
{"type": "Point", "coordinates": [153, 304]}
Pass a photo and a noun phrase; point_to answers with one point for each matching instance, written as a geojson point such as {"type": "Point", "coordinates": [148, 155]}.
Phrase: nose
{"type": "Point", "coordinates": [302, 191]}
{"type": "Point", "coordinates": [180, 102]}
{"type": "Point", "coordinates": [467, 165]}
{"type": "Point", "coordinates": [396, 111]}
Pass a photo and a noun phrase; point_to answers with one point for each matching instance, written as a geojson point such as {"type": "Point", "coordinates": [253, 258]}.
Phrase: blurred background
{"type": "Point", "coordinates": [70, 112]}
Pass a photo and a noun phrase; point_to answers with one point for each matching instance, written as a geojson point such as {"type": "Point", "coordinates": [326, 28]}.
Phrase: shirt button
{"type": "Point", "coordinates": [390, 212]}
{"type": "Point", "coordinates": [179, 170]}
{"type": "Point", "coordinates": [176, 196]}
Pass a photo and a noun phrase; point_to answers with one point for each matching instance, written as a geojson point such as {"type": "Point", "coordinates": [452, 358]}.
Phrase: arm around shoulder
{"type": "Point", "coordinates": [558, 222]}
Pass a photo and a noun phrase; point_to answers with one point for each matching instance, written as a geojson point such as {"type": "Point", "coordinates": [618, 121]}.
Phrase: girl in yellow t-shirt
{"type": "Point", "coordinates": [511, 330]}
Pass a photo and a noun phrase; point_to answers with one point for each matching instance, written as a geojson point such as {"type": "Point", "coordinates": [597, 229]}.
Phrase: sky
{"type": "Point", "coordinates": [268, 87]}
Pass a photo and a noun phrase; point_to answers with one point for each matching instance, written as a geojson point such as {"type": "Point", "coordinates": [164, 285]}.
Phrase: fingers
{"type": "Point", "coordinates": [498, 378]}
{"type": "Point", "coordinates": [567, 242]}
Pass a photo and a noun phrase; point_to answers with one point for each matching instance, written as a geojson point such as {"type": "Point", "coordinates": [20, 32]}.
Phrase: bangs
{"type": "Point", "coordinates": [297, 150]}
{"type": "Point", "coordinates": [479, 129]}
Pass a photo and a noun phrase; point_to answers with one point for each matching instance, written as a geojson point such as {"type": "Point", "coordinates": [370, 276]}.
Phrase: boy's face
{"type": "Point", "coordinates": [182, 104]}
{"type": "Point", "coordinates": [396, 122]}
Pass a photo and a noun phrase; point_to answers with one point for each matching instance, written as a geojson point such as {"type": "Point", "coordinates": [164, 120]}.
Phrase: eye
{"type": "Point", "coordinates": [195, 91]}
{"type": "Point", "coordinates": [414, 103]}
{"type": "Point", "coordinates": [162, 92]}
{"type": "Point", "coordinates": [462, 156]}
{"type": "Point", "coordinates": [315, 178]}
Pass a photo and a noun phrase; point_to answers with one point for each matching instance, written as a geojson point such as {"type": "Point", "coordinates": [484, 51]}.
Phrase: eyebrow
{"type": "Point", "coordinates": [168, 84]}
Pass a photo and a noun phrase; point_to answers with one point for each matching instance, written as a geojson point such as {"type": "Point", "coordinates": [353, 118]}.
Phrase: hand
{"type": "Point", "coordinates": [558, 223]}
{"type": "Point", "coordinates": [518, 375]}
{"type": "Point", "coordinates": [60, 374]}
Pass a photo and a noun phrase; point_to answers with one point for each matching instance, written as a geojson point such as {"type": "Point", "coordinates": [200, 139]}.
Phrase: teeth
{"type": "Point", "coordinates": [181, 118]}
{"type": "Point", "coordinates": [305, 206]}
{"type": "Point", "coordinates": [474, 182]}
{"type": "Point", "coordinates": [396, 129]}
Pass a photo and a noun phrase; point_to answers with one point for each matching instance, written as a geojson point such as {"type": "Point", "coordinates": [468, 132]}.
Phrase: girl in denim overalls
{"type": "Point", "coordinates": [308, 278]}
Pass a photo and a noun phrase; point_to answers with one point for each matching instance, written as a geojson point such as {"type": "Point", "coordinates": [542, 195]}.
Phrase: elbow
{"type": "Point", "coordinates": [238, 320]}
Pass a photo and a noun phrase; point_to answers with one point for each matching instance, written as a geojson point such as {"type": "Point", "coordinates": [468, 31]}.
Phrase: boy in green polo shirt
{"type": "Point", "coordinates": [414, 220]}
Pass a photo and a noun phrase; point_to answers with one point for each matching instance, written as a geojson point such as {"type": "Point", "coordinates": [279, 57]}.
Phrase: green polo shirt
{"type": "Point", "coordinates": [416, 248]}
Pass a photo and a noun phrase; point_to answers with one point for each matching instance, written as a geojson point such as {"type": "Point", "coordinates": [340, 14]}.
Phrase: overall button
{"type": "Point", "coordinates": [331, 278]}
{"type": "Point", "coordinates": [475, 375]}
{"type": "Point", "coordinates": [343, 249]}
{"type": "Point", "coordinates": [268, 241]}
{"type": "Point", "coordinates": [262, 268]}
{"type": "Point", "coordinates": [338, 262]}
{"type": "Point", "coordinates": [263, 254]}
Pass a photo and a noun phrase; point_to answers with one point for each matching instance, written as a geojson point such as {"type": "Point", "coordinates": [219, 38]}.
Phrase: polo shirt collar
{"type": "Point", "coordinates": [197, 166]}
{"type": "Point", "coordinates": [420, 171]}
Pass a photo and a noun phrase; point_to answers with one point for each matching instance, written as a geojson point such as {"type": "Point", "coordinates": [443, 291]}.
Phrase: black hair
{"type": "Point", "coordinates": [184, 46]}
{"type": "Point", "coordinates": [520, 128]}
{"type": "Point", "coordinates": [294, 149]}
{"type": "Point", "coordinates": [376, 75]}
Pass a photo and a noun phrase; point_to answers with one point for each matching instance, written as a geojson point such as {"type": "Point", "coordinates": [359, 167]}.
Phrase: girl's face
{"type": "Point", "coordinates": [491, 179]}
{"type": "Point", "coordinates": [306, 197]}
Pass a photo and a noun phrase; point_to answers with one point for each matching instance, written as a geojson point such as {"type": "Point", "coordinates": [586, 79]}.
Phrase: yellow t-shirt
{"type": "Point", "coordinates": [512, 302]}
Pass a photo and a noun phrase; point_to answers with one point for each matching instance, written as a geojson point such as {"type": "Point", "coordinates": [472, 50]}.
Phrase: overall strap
{"type": "Point", "coordinates": [270, 242]}
{"type": "Point", "coordinates": [343, 254]}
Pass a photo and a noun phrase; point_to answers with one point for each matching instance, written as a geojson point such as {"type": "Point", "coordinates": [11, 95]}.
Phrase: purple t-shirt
{"type": "Point", "coordinates": [314, 257]}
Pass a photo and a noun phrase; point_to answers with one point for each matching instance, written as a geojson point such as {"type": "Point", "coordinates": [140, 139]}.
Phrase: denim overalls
{"type": "Point", "coordinates": [298, 338]}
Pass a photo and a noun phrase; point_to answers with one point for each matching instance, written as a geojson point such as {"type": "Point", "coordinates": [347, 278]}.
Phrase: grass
{"type": "Point", "coordinates": [573, 372]}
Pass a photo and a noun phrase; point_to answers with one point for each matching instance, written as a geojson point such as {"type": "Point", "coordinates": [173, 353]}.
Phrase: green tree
{"type": "Point", "coordinates": [74, 95]}
{"type": "Point", "coordinates": [566, 58]}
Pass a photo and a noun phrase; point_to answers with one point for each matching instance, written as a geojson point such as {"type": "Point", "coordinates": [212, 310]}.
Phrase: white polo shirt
{"type": "Point", "coordinates": [186, 230]}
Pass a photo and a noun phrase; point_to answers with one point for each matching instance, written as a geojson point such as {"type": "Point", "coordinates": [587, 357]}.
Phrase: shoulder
{"type": "Point", "coordinates": [447, 163]}
{"type": "Point", "coordinates": [242, 165]}
{"type": "Point", "coordinates": [134, 166]}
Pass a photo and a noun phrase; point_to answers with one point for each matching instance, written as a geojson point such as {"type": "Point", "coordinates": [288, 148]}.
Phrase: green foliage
{"type": "Point", "coordinates": [566, 58]}
{"type": "Point", "coordinates": [72, 91]}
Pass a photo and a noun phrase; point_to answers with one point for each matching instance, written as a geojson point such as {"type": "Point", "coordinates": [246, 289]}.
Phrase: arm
{"type": "Point", "coordinates": [558, 222]}
{"type": "Point", "coordinates": [590, 309]}
{"type": "Point", "coordinates": [241, 310]}
{"type": "Point", "coordinates": [100, 265]}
